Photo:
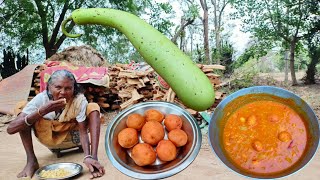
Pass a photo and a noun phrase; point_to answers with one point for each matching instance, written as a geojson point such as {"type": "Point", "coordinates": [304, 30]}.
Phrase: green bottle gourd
{"type": "Point", "coordinates": [190, 84]}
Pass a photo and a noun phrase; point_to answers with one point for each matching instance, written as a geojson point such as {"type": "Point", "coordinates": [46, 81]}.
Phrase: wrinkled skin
{"type": "Point", "coordinates": [62, 92]}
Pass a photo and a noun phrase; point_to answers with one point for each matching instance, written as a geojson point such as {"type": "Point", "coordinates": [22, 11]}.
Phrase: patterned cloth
{"type": "Point", "coordinates": [59, 135]}
{"type": "Point", "coordinates": [94, 75]}
{"type": "Point", "coordinates": [72, 109]}
{"type": "Point", "coordinates": [55, 134]}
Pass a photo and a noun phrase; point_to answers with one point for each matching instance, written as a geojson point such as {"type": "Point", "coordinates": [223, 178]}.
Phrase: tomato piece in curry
{"type": "Point", "coordinates": [264, 137]}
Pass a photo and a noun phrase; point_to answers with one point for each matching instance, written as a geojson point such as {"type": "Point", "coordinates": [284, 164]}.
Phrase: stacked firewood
{"type": "Point", "coordinates": [128, 87]}
{"type": "Point", "coordinates": [35, 85]}
{"type": "Point", "coordinates": [215, 80]}
{"type": "Point", "coordinates": [134, 86]}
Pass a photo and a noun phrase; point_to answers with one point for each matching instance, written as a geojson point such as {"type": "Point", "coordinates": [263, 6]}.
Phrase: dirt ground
{"type": "Point", "coordinates": [205, 166]}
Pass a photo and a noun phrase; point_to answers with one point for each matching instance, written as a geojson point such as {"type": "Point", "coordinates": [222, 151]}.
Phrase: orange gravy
{"type": "Point", "coordinates": [264, 137]}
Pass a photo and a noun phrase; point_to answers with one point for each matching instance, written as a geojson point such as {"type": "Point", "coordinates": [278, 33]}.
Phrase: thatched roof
{"type": "Point", "coordinates": [80, 56]}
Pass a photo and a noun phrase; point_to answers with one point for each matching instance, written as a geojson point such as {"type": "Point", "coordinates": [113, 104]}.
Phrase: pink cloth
{"type": "Point", "coordinates": [80, 73]}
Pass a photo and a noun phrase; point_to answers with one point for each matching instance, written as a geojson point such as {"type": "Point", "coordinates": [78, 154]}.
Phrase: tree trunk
{"type": "Point", "coordinates": [216, 30]}
{"type": "Point", "coordinates": [191, 48]}
{"type": "Point", "coordinates": [286, 70]}
{"type": "Point", "coordinates": [286, 66]}
{"type": "Point", "coordinates": [293, 74]}
{"type": "Point", "coordinates": [206, 32]}
{"type": "Point", "coordinates": [315, 59]}
{"type": "Point", "coordinates": [184, 24]}
{"type": "Point", "coordinates": [206, 37]}
{"type": "Point", "coordinates": [50, 50]}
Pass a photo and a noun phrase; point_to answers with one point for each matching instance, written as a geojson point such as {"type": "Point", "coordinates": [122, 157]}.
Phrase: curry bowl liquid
{"type": "Point", "coordinates": [264, 137]}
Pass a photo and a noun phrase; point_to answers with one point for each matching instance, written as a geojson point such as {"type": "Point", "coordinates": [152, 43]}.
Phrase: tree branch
{"type": "Point", "coordinates": [299, 23]}
{"type": "Point", "coordinates": [8, 16]}
{"type": "Point", "coordinates": [58, 24]}
{"type": "Point", "coordinates": [52, 9]}
{"type": "Point", "coordinates": [43, 17]}
{"type": "Point", "coordinates": [273, 23]}
{"type": "Point", "coordinates": [175, 37]}
{"type": "Point", "coordinates": [204, 4]}
{"type": "Point", "coordinates": [63, 37]}
{"type": "Point", "coordinates": [222, 9]}
{"type": "Point", "coordinates": [69, 28]}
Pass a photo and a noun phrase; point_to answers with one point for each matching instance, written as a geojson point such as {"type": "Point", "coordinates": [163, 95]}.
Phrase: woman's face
{"type": "Point", "coordinates": [62, 88]}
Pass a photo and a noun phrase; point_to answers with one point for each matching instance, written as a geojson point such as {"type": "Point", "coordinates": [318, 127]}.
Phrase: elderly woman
{"type": "Point", "coordinates": [55, 113]}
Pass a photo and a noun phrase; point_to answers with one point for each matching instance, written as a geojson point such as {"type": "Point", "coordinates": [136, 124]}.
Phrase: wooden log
{"type": "Point", "coordinates": [218, 95]}
{"type": "Point", "coordinates": [127, 103]}
{"type": "Point", "coordinates": [200, 65]}
{"type": "Point", "coordinates": [134, 74]}
{"type": "Point", "coordinates": [112, 84]}
{"type": "Point", "coordinates": [146, 93]}
{"type": "Point", "coordinates": [125, 93]}
{"type": "Point", "coordinates": [121, 82]}
{"type": "Point", "coordinates": [115, 106]}
{"type": "Point", "coordinates": [36, 80]}
{"type": "Point", "coordinates": [113, 73]}
{"type": "Point", "coordinates": [135, 97]}
{"type": "Point", "coordinates": [214, 66]}
{"type": "Point", "coordinates": [30, 98]}
{"type": "Point", "coordinates": [192, 112]}
{"type": "Point", "coordinates": [32, 89]}
{"type": "Point", "coordinates": [102, 99]}
{"type": "Point", "coordinates": [103, 105]}
{"type": "Point", "coordinates": [172, 96]}
{"type": "Point", "coordinates": [123, 66]}
{"type": "Point", "coordinates": [136, 81]}
{"type": "Point", "coordinates": [141, 85]}
{"type": "Point", "coordinates": [145, 79]}
{"type": "Point", "coordinates": [215, 81]}
{"type": "Point", "coordinates": [213, 75]}
{"type": "Point", "coordinates": [89, 96]}
{"type": "Point", "coordinates": [37, 71]}
{"type": "Point", "coordinates": [37, 84]}
{"type": "Point", "coordinates": [169, 96]}
{"type": "Point", "coordinates": [206, 70]}
{"type": "Point", "coordinates": [114, 91]}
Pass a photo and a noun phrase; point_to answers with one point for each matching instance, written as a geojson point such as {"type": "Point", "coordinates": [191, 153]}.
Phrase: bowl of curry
{"type": "Point", "coordinates": [264, 132]}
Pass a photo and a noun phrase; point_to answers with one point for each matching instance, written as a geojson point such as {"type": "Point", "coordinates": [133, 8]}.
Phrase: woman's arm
{"type": "Point", "coordinates": [84, 138]}
{"type": "Point", "coordinates": [24, 120]}
{"type": "Point", "coordinates": [19, 123]}
{"type": "Point", "coordinates": [90, 158]}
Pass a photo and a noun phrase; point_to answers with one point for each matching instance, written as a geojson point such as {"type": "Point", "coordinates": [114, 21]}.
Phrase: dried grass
{"type": "Point", "coordinates": [80, 56]}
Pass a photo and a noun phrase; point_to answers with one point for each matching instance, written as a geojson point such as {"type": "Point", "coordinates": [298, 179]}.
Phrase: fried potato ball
{"type": "Point", "coordinates": [172, 121]}
{"type": "Point", "coordinates": [152, 132]}
{"type": "Point", "coordinates": [252, 120]}
{"type": "Point", "coordinates": [178, 137]}
{"type": "Point", "coordinates": [257, 145]}
{"type": "Point", "coordinates": [243, 120]}
{"type": "Point", "coordinates": [284, 136]}
{"type": "Point", "coordinates": [128, 137]}
{"type": "Point", "coordinates": [143, 154]}
{"type": "Point", "coordinates": [166, 150]}
{"type": "Point", "coordinates": [273, 118]}
{"type": "Point", "coordinates": [153, 115]}
{"type": "Point", "coordinates": [135, 121]}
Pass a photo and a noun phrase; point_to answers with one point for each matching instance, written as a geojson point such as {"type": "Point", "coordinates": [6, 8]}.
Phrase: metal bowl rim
{"type": "Point", "coordinates": [185, 162]}
{"type": "Point", "coordinates": [37, 173]}
{"type": "Point", "coordinates": [230, 97]}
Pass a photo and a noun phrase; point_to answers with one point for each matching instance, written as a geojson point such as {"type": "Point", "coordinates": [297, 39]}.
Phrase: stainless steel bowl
{"type": "Point", "coordinates": [218, 119]}
{"type": "Point", "coordinates": [74, 168]}
{"type": "Point", "coordinates": [120, 157]}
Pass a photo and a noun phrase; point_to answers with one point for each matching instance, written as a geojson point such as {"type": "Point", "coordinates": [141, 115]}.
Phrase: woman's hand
{"type": "Point", "coordinates": [96, 169]}
{"type": "Point", "coordinates": [53, 106]}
